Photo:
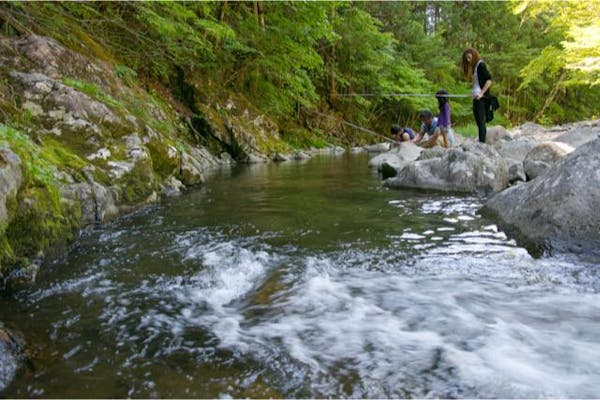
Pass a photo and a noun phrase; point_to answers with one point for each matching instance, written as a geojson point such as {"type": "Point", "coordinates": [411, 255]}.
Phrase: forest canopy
{"type": "Point", "coordinates": [341, 58]}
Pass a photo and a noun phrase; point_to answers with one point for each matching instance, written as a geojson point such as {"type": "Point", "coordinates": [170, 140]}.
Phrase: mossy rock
{"type": "Point", "coordinates": [41, 222]}
{"type": "Point", "coordinates": [166, 158]}
{"type": "Point", "coordinates": [138, 185]}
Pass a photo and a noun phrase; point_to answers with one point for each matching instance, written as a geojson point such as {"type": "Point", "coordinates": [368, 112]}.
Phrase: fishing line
{"type": "Point", "coordinates": [397, 95]}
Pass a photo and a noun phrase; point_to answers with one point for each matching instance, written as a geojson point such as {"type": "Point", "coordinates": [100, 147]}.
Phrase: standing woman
{"type": "Point", "coordinates": [476, 71]}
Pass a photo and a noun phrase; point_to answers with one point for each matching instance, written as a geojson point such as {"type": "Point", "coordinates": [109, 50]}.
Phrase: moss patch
{"type": "Point", "coordinates": [57, 154]}
{"type": "Point", "coordinates": [138, 184]}
{"type": "Point", "coordinates": [161, 162]}
{"type": "Point", "coordinates": [38, 219]}
{"type": "Point", "coordinates": [41, 222]}
{"type": "Point", "coordinates": [303, 138]}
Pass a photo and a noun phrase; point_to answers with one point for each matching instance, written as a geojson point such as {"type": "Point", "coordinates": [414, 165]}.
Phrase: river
{"type": "Point", "coordinates": [307, 279]}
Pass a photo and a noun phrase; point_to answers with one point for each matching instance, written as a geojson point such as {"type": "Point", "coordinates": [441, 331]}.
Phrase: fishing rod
{"type": "Point", "coordinates": [360, 128]}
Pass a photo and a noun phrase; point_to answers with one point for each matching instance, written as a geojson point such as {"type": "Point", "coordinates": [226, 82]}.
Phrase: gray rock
{"type": "Point", "coordinates": [549, 152]}
{"type": "Point", "coordinates": [433, 152]}
{"type": "Point", "coordinates": [11, 179]}
{"type": "Point", "coordinates": [337, 150]}
{"type": "Point", "coordinates": [516, 171]}
{"type": "Point", "coordinates": [397, 158]}
{"type": "Point", "coordinates": [301, 155]}
{"type": "Point", "coordinates": [496, 134]}
{"type": "Point", "coordinates": [225, 158]}
{"type": "Point", "coordinates": [12, 347]}
{"type": "Point", "coordinates": [468, 168]}
{"type": "Point", "coordinates": [535, 168]}
{"type": "Point", "coordinates": [528, 129]}
{"type": "Point", "coordinates": [172, 187]}
{"type": "Point", "coordinates": [378, 148]}
{"type": "Point", "coordinates": [53, 59]}
{"type": "Point", "coordinates": [97, 202]}
{"type": "Point", "coordinates": [542, 156]}
{"type": "Point", "coordinates": [580, 134]}
{"type": "Point", "coordinates": [52, 95]}
{"type": "Point", "coordinates": [516, 149]}
{"type": "Point", "coordinates": [191, 170]}
{"type": "Point", "coordinates": [281, 157]}
{"type": "Point", "coordinates": [558, 209]}
{"type": "Point", "coordinates": [256, 158]}
{"type": "Point", "coordinates": [197, 160]}
{"type": "Point", "coordinates": [357, 150]}
{"type": "Point", "coordinates": [575, 134]}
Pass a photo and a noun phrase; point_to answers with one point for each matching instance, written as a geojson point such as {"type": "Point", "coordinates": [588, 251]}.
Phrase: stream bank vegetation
{"type": "Point", "coordinates": [245, 79]}
{"type": "Point", "coordinates": [290, 58]}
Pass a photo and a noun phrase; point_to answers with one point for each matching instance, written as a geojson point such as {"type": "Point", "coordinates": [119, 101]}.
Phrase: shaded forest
{"type": "Point", "coordinates": [304, 62]}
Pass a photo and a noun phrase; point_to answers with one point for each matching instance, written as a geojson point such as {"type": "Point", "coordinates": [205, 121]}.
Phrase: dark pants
{"type": "Point", "coordinates": [479, 114]}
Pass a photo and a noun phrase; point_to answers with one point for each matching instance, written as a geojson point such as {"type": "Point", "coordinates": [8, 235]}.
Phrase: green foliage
{"type": "Point", "coordinates": [570, 63]}
{"type": "Point", "coordinates": [38, 170]}
{"type": "Point", "coordinates": [128, 75]}
{"type": "Point", "coordinates": [543, 55]}
{"type": "Point", "coordinates": [467, 130]}
{"type": "Point", "coordinates": [304, 138]}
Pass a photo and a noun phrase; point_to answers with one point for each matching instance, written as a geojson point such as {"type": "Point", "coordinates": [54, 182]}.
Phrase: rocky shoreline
{"type": "Point", "coordinates": [82, 142]}
{"type": "Point", "coordinates": [542, 184]}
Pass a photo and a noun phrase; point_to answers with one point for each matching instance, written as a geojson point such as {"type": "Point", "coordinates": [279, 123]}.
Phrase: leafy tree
{"type": "Point", "coordinates": [566, 65]}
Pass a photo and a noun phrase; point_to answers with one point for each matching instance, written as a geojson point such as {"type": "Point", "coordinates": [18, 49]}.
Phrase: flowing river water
{"type": "Point", "coordinates": [308, 280]}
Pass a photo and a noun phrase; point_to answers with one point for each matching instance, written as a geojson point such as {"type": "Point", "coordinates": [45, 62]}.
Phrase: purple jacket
{"type": "Point", "coordinates": [444, 116]}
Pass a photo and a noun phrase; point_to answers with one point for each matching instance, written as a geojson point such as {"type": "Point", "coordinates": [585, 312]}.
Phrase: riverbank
{"type": "Point", "coordinates": [83, 143]}
{"type": "Point", "coordinates": [542, 181]}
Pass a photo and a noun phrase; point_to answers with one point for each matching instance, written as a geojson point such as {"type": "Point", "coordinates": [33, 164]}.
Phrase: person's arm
{"type": "Point", "coordinates": [484, 89]}
{"type": "Point", "coordinates": [419, 137]}
{"type": "Point", "coordinates": [432, 140]}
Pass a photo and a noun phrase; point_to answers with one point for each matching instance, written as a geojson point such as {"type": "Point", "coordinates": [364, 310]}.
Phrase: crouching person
{"type": "Point", "coordinates": [433, 133]}
{"type": "Point", "coordinates": [402, 134]}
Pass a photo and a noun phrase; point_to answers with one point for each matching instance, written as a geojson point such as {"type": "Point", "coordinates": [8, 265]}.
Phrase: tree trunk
{"type": "Point", "coordinates": [222, 10]}
{"type": "Point", "coordinates": [332, 79]}
{"type": "Point", "coordinates": [258, 9]}
{"type": "Point", "coordinates": [551, 96]}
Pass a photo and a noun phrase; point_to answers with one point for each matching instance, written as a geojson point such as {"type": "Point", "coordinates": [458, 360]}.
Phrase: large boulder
{"type": "Point", "coordinates": [580, 133]}
{"type": "Point", "coordinates": [558, 209]}
{"type": "Point", "coordinates": [542, 156]}
{"type": "Point", "coordinates": [530, 130]}
{"type": "Point", "coordinates": [63, 109]}
{"type": "Point", "coordinates": [47, 56]}
{"type": "Point", "coordinates": [533, 148]}
{"type": "Point", "coordinates": [516, 149]}
{"type": "Point", "coordinates": [97, 202]}
{"type": "Point", "coordinates": [574, 134]}
{"type": "Point", "coordinates": [395, 159]}
{"type": "Point", "coordinates": [469, 168]}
